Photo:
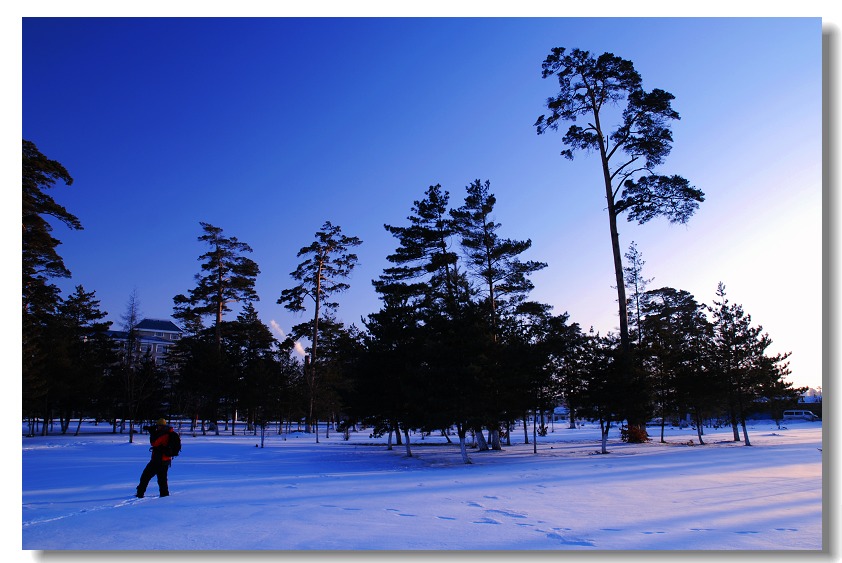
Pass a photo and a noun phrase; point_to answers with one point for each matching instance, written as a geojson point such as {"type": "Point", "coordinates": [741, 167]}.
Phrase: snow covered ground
{"type": "Point", "coordinates": [293, 494]}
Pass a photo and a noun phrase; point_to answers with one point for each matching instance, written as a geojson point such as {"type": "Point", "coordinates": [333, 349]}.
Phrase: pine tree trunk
{"type": "Point", "coordinates": [605, 427]}
{"type": "Point", "coordinates": [699, 428]}
{"type": "Point", "coordinates": [406, 437]}
{"type": "Point", "coordinates": [482, 445]}
{"type": "Point", "coordinates": [494, 436]}
{"type": "Point", "coordinates": [463, 449]}
{"type": "Point", "coordinates": [734, 426]}
{"type": "Point", "coordinates": [526, 428]}
{"type": "Point", "coordinates": [745, 431]}
{"type": "Point", "coordinates": [534, 433]}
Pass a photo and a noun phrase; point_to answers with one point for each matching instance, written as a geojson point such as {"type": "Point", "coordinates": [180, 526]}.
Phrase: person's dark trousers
{"type": "Point", "coordinates": [155, 467]}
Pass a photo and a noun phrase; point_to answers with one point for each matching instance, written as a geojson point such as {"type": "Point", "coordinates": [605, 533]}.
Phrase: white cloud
{"type": "Point", "coordinates": [299, 349]}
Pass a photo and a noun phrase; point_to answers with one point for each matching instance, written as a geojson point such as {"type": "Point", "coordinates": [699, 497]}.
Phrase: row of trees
{"type": "Point", "coordinates": [456, 343]}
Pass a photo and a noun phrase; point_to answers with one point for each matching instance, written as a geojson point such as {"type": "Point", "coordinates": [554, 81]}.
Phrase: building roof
{"type": "Point", "coordinates": [123, 335]}
{"type": "Point", "coordinates": [158, 325]}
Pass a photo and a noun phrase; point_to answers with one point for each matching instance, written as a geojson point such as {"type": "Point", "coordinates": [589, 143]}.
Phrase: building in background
{"type": "Point", "coordinates": [153, 336]}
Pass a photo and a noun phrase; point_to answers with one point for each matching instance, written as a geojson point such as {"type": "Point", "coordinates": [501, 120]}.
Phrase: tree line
{"type": "Point", "coordinates": [457, 343]}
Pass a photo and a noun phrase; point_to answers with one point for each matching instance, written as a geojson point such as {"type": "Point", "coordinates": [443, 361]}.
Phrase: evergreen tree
{"type": "Point", "coordinates": [426, 290]}
{"type": "Point", "coordinates": [92, 353]}
{"type": "Point", "coordinates": [493, 260]}
{"type": "Point", "coordinates": [524, 353]}
{"type": "Point", "coordinates": [384, 388]}
{"type": "Point", "coordinates": [329, 260]}
{"type": "Point", "coordinates": [40, 264]}
{"type": "Point", "coordinates": [741, 361]}
{"type": "Point", "coordinates": [502, 284]}
{"type": "Point", "coordinates": [635, 288]}
{"type": "Point", "coordinates": [675, 350]}
{"type": "Point", "coordinates": [195, 360]}
{"type": "Point", "coordinates": [41, 261]}
{"type": "Point", "coordinates": [81, 355]}
{"type": "Point", "coordinates": [227, 276]}
{"type": "Point", "coordinates": [565, 359]}
{"type": "Point", "coordinates": [602, 397]}
{"type": "Point", "coordinates": [629, 153]}
{"type": "Point", "coordinates": [425, 272]}
{"type": "Point", "coordinates": [253, 353]}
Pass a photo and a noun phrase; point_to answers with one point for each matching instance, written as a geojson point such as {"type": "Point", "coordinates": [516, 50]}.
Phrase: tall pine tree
{"type": "Point", "coordinates": [328, 262]}
{"type": "Point", "coordinates": [41, 263]}
{"type": "Point", "coordinates": [629, 153]}
{"type": "Point", "coordinates": [227, 276]}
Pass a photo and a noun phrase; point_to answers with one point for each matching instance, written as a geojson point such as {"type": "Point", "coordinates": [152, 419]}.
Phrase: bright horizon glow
{"type": "Point", "coordinates": [267, 128]}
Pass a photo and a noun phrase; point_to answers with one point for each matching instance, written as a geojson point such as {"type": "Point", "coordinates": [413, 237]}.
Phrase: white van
{"type": "Point", "coordinates": [802, 415]}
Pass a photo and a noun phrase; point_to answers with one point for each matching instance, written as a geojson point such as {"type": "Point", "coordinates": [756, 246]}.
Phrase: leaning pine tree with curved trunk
{"type": "Point", "coordinates": [637, 141]}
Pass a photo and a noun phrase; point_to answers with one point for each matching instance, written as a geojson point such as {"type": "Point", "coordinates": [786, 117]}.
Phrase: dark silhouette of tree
{"type": "Point", "coordinates": [452, 330]}
{"type": "Point", "coordinates": [525, 381]}
{"type": "Point", "coordinates": [81, 354]}
{"type": "Point", "coordinates": [254, 355]}
{"type": "Point", "coordinates": [565, 359]}
{"type": "Point", "coordinates": [675, 351]}
{"type": "Point", "coordinates": [431, 297]}
{"type": "Point", "coordinates": [502, 283]}
{"type": "Point", "coordinates": [391, 359]}
{"type": "Point", "coordinates": [493, 260]}
{"type": "Point", "coordinates": [41, 261]}
{"type": "Point", "coordinates": [602, 397]}
{"type": "Point", "coordinates": [226, 277]}
{"type": "Point", "coordinates": [40, 264]}
{"type": "Point", "coordinates": [328, 262]}
{"type": "Point", "coordinates": [425, 272]}
{"type": "Point", "coordinates": [629, 153]}
{"type": "Point", "coordinates": [195, 360]}
{"type": "Point", "coordinates": [132, 369]}
{"type": "Point", "coordinates": [741, 362]}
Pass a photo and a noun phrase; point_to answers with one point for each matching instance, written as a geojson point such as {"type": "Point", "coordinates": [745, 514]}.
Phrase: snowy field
{"type": "Point", "coordinates": [293, 494]}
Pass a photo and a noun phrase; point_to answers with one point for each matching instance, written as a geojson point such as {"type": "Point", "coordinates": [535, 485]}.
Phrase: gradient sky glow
{"type": "Point", "coordinates": [268, 127]}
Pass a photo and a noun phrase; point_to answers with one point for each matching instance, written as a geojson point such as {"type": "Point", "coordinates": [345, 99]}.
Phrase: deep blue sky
{"type": "Point", "coordinates": [268, 127]}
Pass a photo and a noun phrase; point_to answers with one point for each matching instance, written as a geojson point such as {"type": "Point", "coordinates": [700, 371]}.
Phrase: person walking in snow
{"type": "Point", "coordinates": [159, 436]}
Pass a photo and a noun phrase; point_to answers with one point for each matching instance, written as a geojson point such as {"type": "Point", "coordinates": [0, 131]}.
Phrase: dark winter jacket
{"type": "Point", "coordinates": [160, 438]}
